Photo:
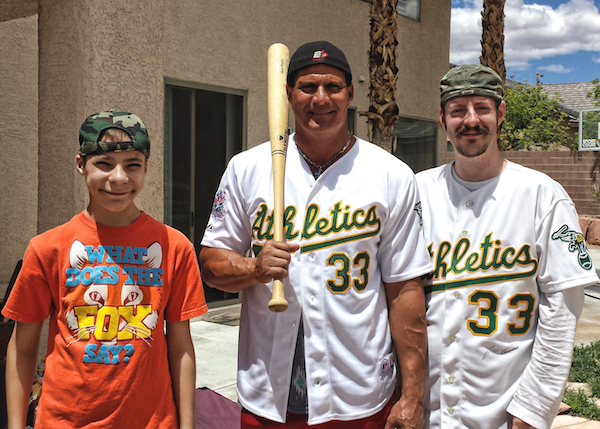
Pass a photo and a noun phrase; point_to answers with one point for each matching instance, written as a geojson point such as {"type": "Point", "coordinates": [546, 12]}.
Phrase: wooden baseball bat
{"type": "Point", "coordinates": [278, 59]}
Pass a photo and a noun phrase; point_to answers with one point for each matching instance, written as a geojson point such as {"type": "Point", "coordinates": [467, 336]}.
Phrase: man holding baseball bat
{"type": "Point", "coordinates": [351, 262]}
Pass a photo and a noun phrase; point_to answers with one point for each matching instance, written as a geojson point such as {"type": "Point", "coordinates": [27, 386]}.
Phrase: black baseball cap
{"type": "Point", "coordinates": [319, 52]}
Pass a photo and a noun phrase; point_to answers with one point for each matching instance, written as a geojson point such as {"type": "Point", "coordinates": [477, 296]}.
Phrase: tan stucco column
{"type": "Point", "coordinates": [18, 135]}
{"type": "Point", "coordinates": [94, 57]}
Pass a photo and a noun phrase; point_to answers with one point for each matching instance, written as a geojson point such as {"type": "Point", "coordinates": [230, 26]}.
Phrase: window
{"type": "Point", "coordinates": [415, 142]}
{"type": "Point", "coordinates": [204, 128]}
{"type": "Point", "coordinates": [351, 115]}
{"type": "Point", "coordinates": [408, 8]}
{"type": "Point", "coordinates": [589, 129]}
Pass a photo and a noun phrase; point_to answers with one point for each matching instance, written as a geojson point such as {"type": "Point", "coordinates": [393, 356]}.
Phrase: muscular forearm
{"type": "Point", "coordinates": [227, 270]}
{"type": "Point", "coordinates": [21, 359]}
{"type": "Point", "coordinates": [409, 332]}
{"type": "Point", "coordinates": [182, 366]}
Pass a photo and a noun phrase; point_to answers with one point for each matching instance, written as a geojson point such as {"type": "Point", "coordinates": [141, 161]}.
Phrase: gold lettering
{"type": "Point", "coordinates": [489, 255]}
{"type": "Point", "coordinates": [85, 317]}
{"type": "Point", "coordinates": [134, 316]}
{"type": "Point", "coordinates": [107, 323]}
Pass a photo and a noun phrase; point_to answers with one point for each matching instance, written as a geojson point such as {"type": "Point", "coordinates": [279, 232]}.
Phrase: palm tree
{"type": "Point", "coordinates": [383, 110]}
{"type": "Point", "coordinates": [492, 38]}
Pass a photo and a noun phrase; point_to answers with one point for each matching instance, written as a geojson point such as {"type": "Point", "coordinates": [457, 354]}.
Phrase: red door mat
{"type": "Point", "coordinates": [214, 411]}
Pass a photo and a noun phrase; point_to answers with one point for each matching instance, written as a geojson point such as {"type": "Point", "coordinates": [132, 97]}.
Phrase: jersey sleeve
{"type": "Point", "coordinates": [565, 260]}
{"type": "Point", "coordinates": [229, 225]}
{"type": "Point", "coordinates": [403, 253]}
{"type": "Point", "coordinates": [540, 389]}
{"type": "Point", "coordinates": [187, 292]}
{"type": "Point", "coordinates": [31, 299]}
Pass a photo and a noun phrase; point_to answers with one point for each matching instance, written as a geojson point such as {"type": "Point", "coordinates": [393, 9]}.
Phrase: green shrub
{"type": "Point", "coordinates": [586, 364]}
{"type": "Point", "coordinates": [585, 369]}
{"type": "Point", "coordinates": [581, 405]}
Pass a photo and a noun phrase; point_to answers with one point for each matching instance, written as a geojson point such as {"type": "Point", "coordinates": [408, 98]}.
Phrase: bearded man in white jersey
{"type": "Point", "coordinates": [510, 265]}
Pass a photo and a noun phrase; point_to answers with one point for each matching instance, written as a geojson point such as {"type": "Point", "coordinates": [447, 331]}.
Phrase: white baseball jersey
{"type": "Point", "coordinates": [358, 226]}
{"type": "Point", "coordinates": [496, 251]}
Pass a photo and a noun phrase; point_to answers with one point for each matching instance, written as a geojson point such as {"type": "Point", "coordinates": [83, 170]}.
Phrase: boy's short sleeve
{"type": "Point", "coordinates": [186, 299]}
{"type": "Point", "coordinates": [31, 299]}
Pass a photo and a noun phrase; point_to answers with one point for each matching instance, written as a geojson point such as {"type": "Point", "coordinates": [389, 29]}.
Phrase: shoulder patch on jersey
{"type": "Point", "coordinates": [576, 244]}
{"type": "Point", "coordinates": [218, 209]}
{"type": "Point", "coordinates": [419, 209]}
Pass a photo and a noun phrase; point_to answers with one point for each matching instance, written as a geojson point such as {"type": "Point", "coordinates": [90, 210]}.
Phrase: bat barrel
{"type": "Point", "coordinates": [278, 60]}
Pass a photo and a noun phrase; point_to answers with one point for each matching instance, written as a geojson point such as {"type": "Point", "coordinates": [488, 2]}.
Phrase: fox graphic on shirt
{"type": "Point", "coordinates": [113, 295]}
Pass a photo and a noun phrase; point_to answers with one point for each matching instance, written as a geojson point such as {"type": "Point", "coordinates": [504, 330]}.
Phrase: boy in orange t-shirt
{"type": "Point", "coordinates": [109, 279]}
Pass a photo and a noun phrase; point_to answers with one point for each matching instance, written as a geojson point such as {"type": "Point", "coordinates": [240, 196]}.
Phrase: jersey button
{"type": "Point", "coordinates": [464, 233]}
{"type": "Point", "coordinates": [312, 256]}
{"type": "Point", "coordinates": [452, 338]}
{"type": "Point", "coordinates": [469, 203]}
{"type": "Point", "coordinates": [457, 295]}
{"type": "Point", "coordinates": [451, 379]}
{"type": "Point", "coordinates": [291, 299]}
{"type": "Point", "coordinates": [451, 411]}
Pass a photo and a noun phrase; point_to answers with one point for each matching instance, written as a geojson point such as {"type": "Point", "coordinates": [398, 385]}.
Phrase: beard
{"type": "Point", "coordinates": [479, 129]}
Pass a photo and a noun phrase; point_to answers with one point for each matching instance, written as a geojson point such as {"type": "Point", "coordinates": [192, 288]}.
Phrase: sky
{"type": "Point", "coordinates": [559, 39]}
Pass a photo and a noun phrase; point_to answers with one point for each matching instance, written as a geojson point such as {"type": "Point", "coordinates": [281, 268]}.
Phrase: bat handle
{"type": "Point", "coordinates": [278, 303]}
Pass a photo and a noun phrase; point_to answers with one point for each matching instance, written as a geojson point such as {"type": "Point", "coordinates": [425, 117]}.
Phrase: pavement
{"type": "Point", "coordinates": [215, 337]}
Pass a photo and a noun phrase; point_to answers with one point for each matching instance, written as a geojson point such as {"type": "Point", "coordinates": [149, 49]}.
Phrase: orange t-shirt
{"type": "Point", "coordinates": [108, 292]}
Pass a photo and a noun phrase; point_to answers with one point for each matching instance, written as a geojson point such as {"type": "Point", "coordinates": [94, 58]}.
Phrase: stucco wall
{"type": "Point", "coordinates": [90, 58]}
{"type": "Point", "coordinates": [14, 9]}
{"type": "Point", "coordinates": [423, 58]}
{"type": "Point", "coordinates": [18, 140]}
{"type": "Point", "coordinates": [208, 44]}
{"type": "Point", "coordinates": [93, 59]}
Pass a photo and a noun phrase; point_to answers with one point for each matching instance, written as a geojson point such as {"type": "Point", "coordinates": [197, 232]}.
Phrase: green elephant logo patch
{"type": "Point", "coordinates": [576, 244]}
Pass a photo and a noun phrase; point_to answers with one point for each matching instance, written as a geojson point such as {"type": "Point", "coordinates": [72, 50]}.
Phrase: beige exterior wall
{"type": "Point", "coordinates": [110, 58]}
{"type": "Point", "coordinates": [93, 58]}
{"type": "Point", "coordinates": [229, 49]}
{"type": "Point", "coordinates": [18, 139]}
{"type": "Point", "coordinates": [423, 57]}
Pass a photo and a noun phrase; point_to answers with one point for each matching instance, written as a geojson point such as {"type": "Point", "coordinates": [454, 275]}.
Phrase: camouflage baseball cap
{"type": "Point", "coordinates": [92, 128]}
{"type": "Point", "coordinates": [471, 79]}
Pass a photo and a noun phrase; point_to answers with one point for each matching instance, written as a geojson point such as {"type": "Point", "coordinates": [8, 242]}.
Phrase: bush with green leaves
{"type": "Point", "coordinates": [595, 93]}
{"type": "Point", "coordinates": [533, 120]}
{"type": "Point", "coordinates": [581, 404]}
{"type": "Point", "coordinates": [585, 368]}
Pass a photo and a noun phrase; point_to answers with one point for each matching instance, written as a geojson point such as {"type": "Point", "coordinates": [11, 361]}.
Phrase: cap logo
{"type": "Point", "coordinates": [319, 52]}
{"type": "Point", "coordinates": [320, 55]}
